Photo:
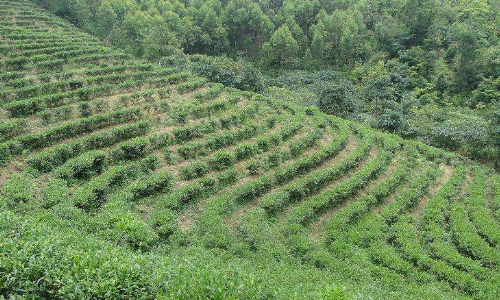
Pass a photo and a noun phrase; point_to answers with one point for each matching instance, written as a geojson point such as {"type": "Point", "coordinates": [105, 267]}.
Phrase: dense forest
{"type": "Point", "coordinates": [424, 69]}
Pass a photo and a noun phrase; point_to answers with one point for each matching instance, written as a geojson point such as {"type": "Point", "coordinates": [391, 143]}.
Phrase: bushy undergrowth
{"type": "Point", "coordinates": [44, 260]}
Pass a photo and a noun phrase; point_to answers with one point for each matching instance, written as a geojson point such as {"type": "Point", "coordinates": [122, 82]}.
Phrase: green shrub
{"type": "Point", "coordinates": [12, 128]}
{"type": "Point", "coordinates": [192, 149]}
{"type": "Point", "coordinates": [191, 85]}
{"type": "Point", "coordinates": [467, 238]}
{"type": "Point", "coordinates": [253, 167]}
{"type": "Point", "coordinates": [49, 158]}
{"type": "Point", "coordinates": [277, 156]}
{"type": "Point", "coordinates": [161, 140]}
{"type": "Point", "coordinates": [55, 192]}
{"type": "Point", "coordinates": [212, 92]}
{"type": "Point", "coordinates": [82, 167]}
{"type": "Point", "coordinates": [94, 193]}
{"type": "Point", "coordinates": [128, 229]}
{"type": "Point", "coordinates": [246, 150]}
{"type": "Point", "coordinates": [194, 170]}
{"type": "Point", "coordinates": [297, 147]}
{"type": "Point", "coordinates": [222, 160]}
{"type": "Point", "coordinates": [52, 135]}
{"type": "Point", "coordinates": [170, 158]}
{"type": "Point", "coordinates": [164, 222]}
{"type": "Point", "coordinates": [199, 189]}
{"type": "Point", "coordinates": [234, 73]}
{"type": "Point", "coordinates": [160, 182]}
{"type": "Point", "coordinates": [130, 150]}
{"type": "Point", "coordinates": [217, 141]}
{"type": "Point", "coordinates": [187, 133]}
{"type": "Point", "coordinates": [227, 177]}
{"type": "Point", "coordinates": [18, 189]}
{"type": "Point", "coordinates": [351, 214]}
{"type": "Point", "coordinates": [313, 182]}
{"type": "Point", "coordinates": [190, 193]}
{"type": "Point", "coordinates": [264, 143]}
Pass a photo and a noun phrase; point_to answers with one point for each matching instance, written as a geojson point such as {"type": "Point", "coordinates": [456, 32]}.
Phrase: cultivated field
{"type": "Point", "coordinates": [143, 160]}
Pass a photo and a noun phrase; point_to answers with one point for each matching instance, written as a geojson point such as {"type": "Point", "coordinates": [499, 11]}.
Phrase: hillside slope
{"type": "Point", "coordinates": [124, 179]}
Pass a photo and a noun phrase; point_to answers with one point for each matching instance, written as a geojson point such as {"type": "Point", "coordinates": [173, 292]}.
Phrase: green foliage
{"type": "Point", "coordinates": [281, 49]}
{"type": "Point", "coordinates": [254, 166]}
{"type": "Point", "coordinates": [125, 228]}
{"type": "Point", "coordinates": [164, 222]}
{"type": "Point", "coordinates": [130, 150]}
{"type": "Point", "coordinates": [338, 98]}
{"type": "Point", "coordinates": [233, 73]}
{"type": "Point", "coordinates": [49, 158]}
{"type": "Point", "coordinates": [189, 132]}
{"type": "Point", "coordinates": [245, 150]}
{"type": "Point", "coordinates": [191, 85]}
{"type": "Point", "coordinates": [17, 190]}
{"type": "Point", "coordinates": [159, 182]}
{"type": "Point", "coordinates": [93, 194]}
{"type": "Point", "coordinates": [222, 160]}
{"type": "Point", "coordinates": [61, 254]}
{"type": "Point", "coordinates": [12, 128]}
{"type": "Point", "coordinates": [276, 157]}
{"type": "Point", "coordinates": [54, 193]}
{"type": "Point", "coordinates": [194, 170]}
{"type": "Point", "coordinates": [54, 134]}
{"type": "Point", "coordinates": [83, 166]}
{"type": "Point", "coordinates": [254, 198]}
{"type": "Point", "coordinates": [312, 183]}
{"type": "Point", "coordinates": [461, 130]}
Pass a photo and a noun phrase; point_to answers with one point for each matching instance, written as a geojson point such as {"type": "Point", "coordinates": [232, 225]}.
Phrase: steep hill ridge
{"type": "Point", "coordinates": [146, 160]}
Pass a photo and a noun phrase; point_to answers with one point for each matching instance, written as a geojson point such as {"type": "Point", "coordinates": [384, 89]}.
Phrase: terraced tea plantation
{"type": "Point", "coordinates": [124, 179]}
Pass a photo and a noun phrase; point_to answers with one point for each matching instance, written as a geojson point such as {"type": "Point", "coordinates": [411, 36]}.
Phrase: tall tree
{"type": "Point", "coordinates": [281, 49]}
{"type": "Point", "coordinates": [467, 68]}
{"type": "Point", "coordinates": [106, 19]}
